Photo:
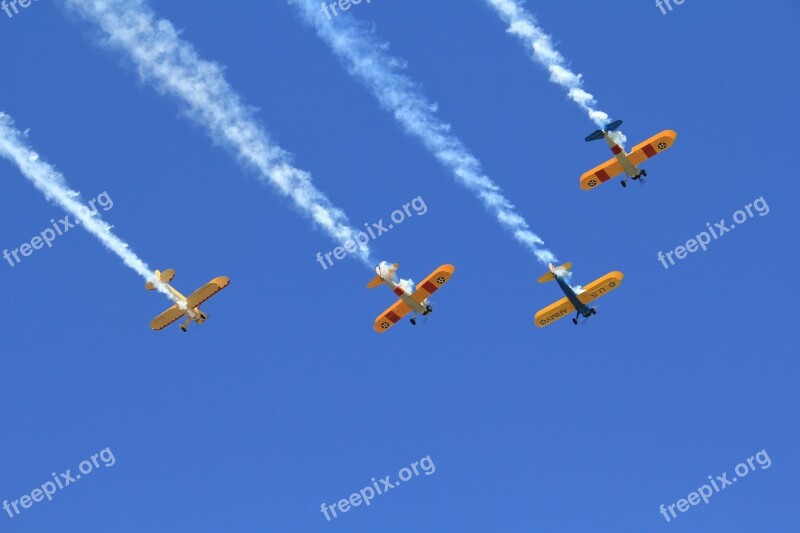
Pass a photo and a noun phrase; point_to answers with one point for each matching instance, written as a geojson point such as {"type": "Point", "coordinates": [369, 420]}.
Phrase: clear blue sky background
{"type": "Point", "coordinates": [286, 398]}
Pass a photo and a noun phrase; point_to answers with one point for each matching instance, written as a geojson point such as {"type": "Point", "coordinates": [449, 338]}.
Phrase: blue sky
{"type": "Point", "coordinates": [286, 398]}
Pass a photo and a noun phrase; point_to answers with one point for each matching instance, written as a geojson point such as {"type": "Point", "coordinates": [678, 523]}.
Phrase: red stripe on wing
{"type": "Point", "coordinates": [392, 317]}
{"type": "Point", "coordinates": [430, 287]}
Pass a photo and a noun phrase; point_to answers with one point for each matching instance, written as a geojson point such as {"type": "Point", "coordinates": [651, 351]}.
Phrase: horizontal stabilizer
{"type": "Point", "coordinates": [374, 282]}
{"type": "Point", "coordinates": [614, 126]}
{"type": "Point", "coordinates": [550, 276]}
{"type": "Point", "coordinates": [163, 277]}
{"type": "Point", "coordinates": [596, 136]}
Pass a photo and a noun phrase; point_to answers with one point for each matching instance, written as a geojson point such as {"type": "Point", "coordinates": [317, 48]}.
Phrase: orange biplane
{"type": "Point", "coordinates": [186, 307]}
{"type": "Point", "coordinates": [623, 161]}
{"type": "Point", "coordinates": [574, 300]}
{"type": "Point", "coordinates": [416, 301]}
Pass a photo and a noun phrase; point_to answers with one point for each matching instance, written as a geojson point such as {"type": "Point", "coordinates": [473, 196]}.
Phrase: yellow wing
{"type": "Point", "coordinates": [601, 173]}
{"type": "Point", "coordinates": [553, 312]}
{"type": "Point", "coordinates": [432, 283]}
{"type": "Point", "coordinates": [600, 286]}
{"type": "Point", "coordinates": [652, 146]}
{"type": "Point", "coordinates": [391, 316]}
{"type": "Point", "coordinates": [166, 318]}
{"type": "Point", "coordinates": [207, 291]}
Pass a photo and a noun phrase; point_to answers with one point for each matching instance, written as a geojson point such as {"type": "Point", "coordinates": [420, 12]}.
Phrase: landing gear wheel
{"type": "Point", "coordinates": [413, 321]}
{"type": "Point", "coordinates": [183, 328]}
{"type": "Point", "coordinates": [575, 321]}
{"type": "Point", "coordinates": [644, 173]}
{"type": "Point", "coordinates": [429, 309]}
{"type": "Point", "coordinates": [624, 184]}
{"type": "Point", "coordinates": [594, 311]}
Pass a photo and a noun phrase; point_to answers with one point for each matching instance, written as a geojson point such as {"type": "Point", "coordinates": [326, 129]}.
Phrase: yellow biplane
{"type": "Point", "coordinates": [188, 307]}
{"type": "Point", "coordinates": [574, 300]}
{"type": "Point", "coordinates": [623, 161]}
{"type": "Point", "coordinates": [416, 301]}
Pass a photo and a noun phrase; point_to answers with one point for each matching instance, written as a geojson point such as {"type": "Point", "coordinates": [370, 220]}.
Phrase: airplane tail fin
{"type": "Point", "coordinates": [595, 136]}
{"type": "Point", "coordinates": [381, 270]}
{"type": "Point", "coordinates": [550, 276]}
{"type": "Point", "coordinates": [163, 277]}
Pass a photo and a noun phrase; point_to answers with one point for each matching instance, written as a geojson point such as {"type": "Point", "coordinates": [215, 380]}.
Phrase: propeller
{"type": "Point", "coordinates": [194, 325]}
{"type": "Point", "coordinates": [586, 318]}
{"type": "Point", "coordinates": [432, 305]}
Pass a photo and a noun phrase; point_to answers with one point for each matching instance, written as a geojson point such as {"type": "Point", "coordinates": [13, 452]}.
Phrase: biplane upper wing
{"type": "Point", "coordinates": [652, 146]}
{"type": "Point", "coordinates": [600, 286]}
{"type": "Point", "coordinates": [166, 318]}
{"type": "Point", "coordinates": [553, 312]}
{"type": "Point", "coordinates": [601, 174]}
{"type": "Point", "coordinates": [432, 283]}
{"type": "Point", "coordinates": [391, 316]}
{"type": "Point", "coordinates": [207, 291]}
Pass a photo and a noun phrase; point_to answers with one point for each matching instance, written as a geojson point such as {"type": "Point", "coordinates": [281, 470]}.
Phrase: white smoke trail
{"type": "Point", "coordinates": [387, 270]}
{"type": "Point", "coordinates": [367, 60]}
{"type": "Point", "coordinates": [53, 185]}
{"type": "Point", "coordinates": [173, 66]}
{"type": "Point", "coordinates": [523, 24]}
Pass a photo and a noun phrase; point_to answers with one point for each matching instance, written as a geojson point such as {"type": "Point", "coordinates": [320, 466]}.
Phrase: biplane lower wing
{"type": "Point", "coordinates": [207, 291]}
{"type": "Point", "coordinates": [600, 286]}
{"type": "Point", "coordinates": [432, 283]}
{"type": "Point", "coordinates": [651, 147]}
{"type": "Point", "coordinates": [166, 318]}
{"type": "Point", "coordinates": [391, 316]}
{"type": "Point", "coordinates": [601, 174]}
{"type": "Point", "coordinates": [553, 312]}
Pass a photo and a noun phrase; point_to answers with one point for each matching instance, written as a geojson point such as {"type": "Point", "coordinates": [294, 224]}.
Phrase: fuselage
{"type": "Point", "coordinates": [572, 296]}
{"type": "Point", "coordinates": [195, 314]}
{"type": "Point", "coordinates": [405, 295]}
{"type": "Point", "coordinates": [621, 155]}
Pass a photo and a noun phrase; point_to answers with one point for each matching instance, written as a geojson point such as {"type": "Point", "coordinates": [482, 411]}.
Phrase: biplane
{"type": "Point", "coordinates": [417, 301]}
{"type": "Point", "coordinates": [622, 160]}
{"type": "Point", "coordinates": [574, 300]}
{"type": "Point", "coordinates": [187, 307]}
